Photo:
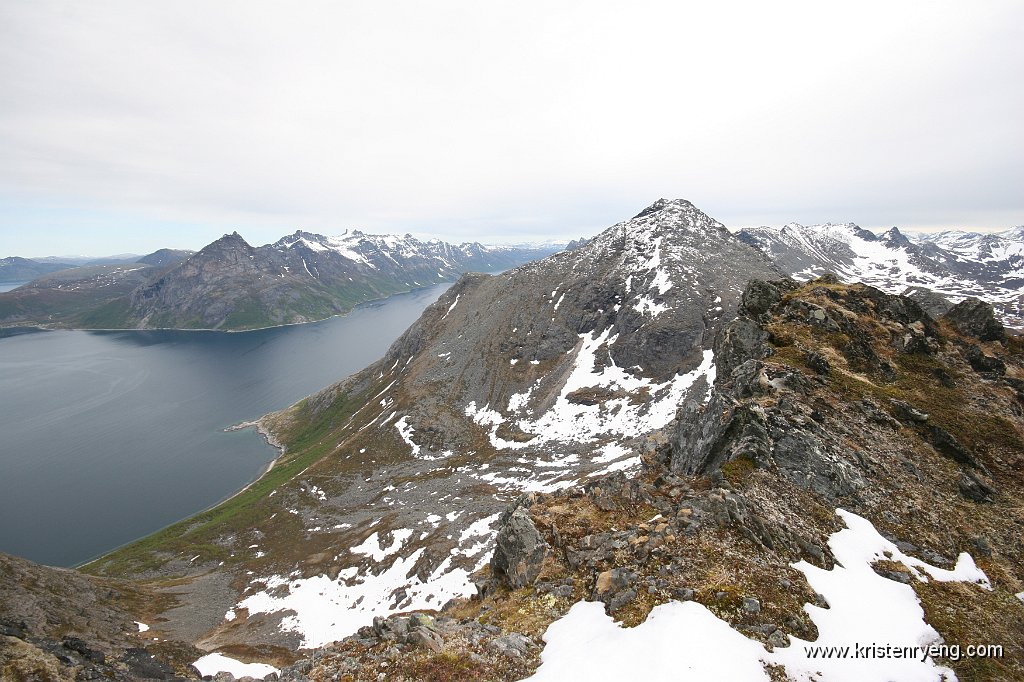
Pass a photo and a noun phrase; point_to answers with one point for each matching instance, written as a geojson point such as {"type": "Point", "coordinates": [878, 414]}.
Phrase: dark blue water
{"type": "Point", "coordinates": [108, 436]}
{"type": "Point", "coordinates": [8, 286]}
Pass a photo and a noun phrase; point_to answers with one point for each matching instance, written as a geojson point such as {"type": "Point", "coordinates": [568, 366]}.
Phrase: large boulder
{"type": "Point", "coordinates": [519, 549]}
{"type": "Point", "coordinates": [976, 318]}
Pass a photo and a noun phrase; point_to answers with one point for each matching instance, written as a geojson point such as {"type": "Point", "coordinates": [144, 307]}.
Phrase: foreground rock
{"type": "Point", "coordinates": [58, 624]}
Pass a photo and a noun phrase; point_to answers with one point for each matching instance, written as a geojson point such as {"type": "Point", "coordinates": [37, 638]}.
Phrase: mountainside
{"type": "Point", "coordinates": [534, 379]}
{"type": "Point", "coordinates": [954, 264]}
{"type": "Point", "coordinates": [57, 624]}
{"type": "Point", "coordinates": [231, 285]}
{"type": "Point", "coordinates": [163, 258]}
{"type": "Point", "coordinates": [853, 476]}
{"type": "Point", "coordinates": [15, 269]}
{"type": "Point", "coordinates": [656, 429]}
{"type": "Point", "coordinates": [302, 277]}
{"type": "Point", "coordinates": [854, 482]}
{"type": "Point", "coordinates": [75, 297]}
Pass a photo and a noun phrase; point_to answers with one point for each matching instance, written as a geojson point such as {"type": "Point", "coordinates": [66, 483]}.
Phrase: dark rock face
{"type": "Point", "coordinates": [740, 340]}
{"type": "Point", "coordinates": [935, 304]}
{"type": "Point", "coordinates": [976, 318]}
{"type": "Point", "coordinates": [949, 446]}
{"type": "Point", "coordinates": [973, 488]}
{"type": "Point", "coordinates": [983, 363]}
{"type": "Point", "coordinates": [519, 549]}
{"type": "Point", "coordinates": [735, 427]}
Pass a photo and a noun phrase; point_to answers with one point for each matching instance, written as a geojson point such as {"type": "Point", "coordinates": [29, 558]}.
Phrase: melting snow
{"type": "Point", "coordinates": [452, 306]}
{"type": "Point", "coordinates": [211, 664]}
{"type": "Point", "coordinates": [566, 421]}
{"type": "Point", "coordinates": [142, 626]}
{"type": "Point", "coordinates": [646, 304]}
{"type": "Point", "coordinates": [684, 640]}
{"type": "Point", "coordinates": [371, 545]}
{"type": "Point", "coordinates": [325, 610]}
{"type": "Point", "coordinates": [406, 431]}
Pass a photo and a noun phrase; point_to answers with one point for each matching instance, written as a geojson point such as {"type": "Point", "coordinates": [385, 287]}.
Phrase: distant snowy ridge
{"type": "Point", "coordinates": [956, 265]}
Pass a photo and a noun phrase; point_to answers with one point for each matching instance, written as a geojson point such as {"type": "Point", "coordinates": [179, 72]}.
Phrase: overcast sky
{"type": "Point", "coordinates": [130, 125]}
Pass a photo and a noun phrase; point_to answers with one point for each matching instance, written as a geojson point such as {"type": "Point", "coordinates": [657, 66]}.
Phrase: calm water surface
{"type": "Point", "coordinates": [109, 436]}
{"type": "Point", "coordinates": [7, 286]}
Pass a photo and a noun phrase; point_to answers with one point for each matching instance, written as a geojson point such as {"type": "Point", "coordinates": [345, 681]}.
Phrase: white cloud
{"type": "Point", "coordinates": [468, 119]}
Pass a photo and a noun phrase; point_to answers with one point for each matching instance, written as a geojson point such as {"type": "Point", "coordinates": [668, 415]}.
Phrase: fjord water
{"type": "Point", "coordinates": [108, 436]}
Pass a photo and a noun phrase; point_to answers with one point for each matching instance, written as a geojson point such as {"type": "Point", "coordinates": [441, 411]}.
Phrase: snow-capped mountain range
{"type": "Point", "coordinates": [231, 285]}
{"type": "Point", "coordinates": [954, 264]}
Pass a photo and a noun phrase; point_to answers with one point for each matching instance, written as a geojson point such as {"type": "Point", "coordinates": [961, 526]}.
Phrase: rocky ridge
{"type": "Point", "coordinates": [58, 624]}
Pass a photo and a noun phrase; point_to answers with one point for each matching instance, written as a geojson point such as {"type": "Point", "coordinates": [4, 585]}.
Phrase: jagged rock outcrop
{"type": "Point", "coordinates": [745, 421]}
{"type": "Point", "coordinates": [519, 548]}
{"type": "Point", "coordinates": [976, 318]}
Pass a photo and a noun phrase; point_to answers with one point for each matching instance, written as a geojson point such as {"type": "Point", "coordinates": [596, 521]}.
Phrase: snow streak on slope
{"type": "Point", "coordinates": [574, 422]}
{"type": "Point", "coordinates": [684, 640]}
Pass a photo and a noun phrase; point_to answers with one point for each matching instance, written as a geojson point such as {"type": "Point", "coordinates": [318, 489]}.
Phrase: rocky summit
{"type": "Point", "coordinates": [654, 448]}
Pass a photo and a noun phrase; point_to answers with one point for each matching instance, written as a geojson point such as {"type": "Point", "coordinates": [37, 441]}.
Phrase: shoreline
{"type": "Point", "coordinates": [268, 438]}
{"type": "Point", "coordinates": [369, 302]}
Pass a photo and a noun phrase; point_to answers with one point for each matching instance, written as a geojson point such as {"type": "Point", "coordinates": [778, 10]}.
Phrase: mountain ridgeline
{"type": "Point", "coordinates": [230, 285]}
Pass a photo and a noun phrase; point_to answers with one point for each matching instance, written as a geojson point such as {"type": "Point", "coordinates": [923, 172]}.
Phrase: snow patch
{"type": "Point", "coordinates": [326, 610]}
{"type": "Point", "coordinates": [211, 664]}
{"type": "Point", "coordinates": [371, 545]}
{"type": "Point", "coordinates": [684, 640]}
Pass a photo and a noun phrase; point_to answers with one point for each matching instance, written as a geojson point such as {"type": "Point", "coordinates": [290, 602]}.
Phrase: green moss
{"type": "Point", "coordinates": [445, 667]}
{"type": "Point", "coordinates": [739, 469]}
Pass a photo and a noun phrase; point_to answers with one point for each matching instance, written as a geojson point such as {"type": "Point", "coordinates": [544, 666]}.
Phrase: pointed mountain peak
{"type": "Point", "coordinates": [228, 241]}
{"type": "Point", "coordinates": [893, 237]}
{"type": "Point", "coordinates": [233, 237]}
{"type": "Point", "coordinates": [663, 204]}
